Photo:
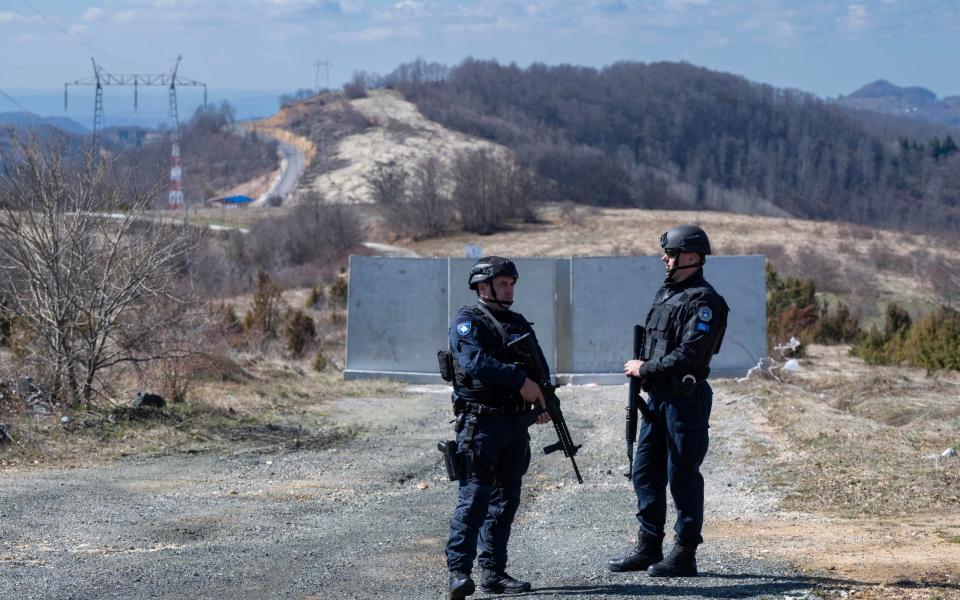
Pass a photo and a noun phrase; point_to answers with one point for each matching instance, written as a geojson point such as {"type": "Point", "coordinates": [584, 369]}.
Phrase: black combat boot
{"type": "Point", "coordinates": [649, 550]}
{"type": "Point", "coordinates": [681, 562]}
{"type": "Point", "coordinates": [498, 582]}
{"type": "Point", "coordinates": [461, 585]}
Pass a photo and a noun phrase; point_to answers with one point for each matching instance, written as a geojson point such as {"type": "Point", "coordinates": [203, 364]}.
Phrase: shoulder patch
{"type": "Point", "coordinates": [464, 328]}
{"type": "Point", "coordinates": [702, 327]}
{"type": "Point", "coordinates": [705, 313]}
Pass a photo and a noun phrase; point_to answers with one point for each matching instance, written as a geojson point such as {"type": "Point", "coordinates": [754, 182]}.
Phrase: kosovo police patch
{"type": "Point", "coordinates": [703, 327]}
{"type": "Point", "coordinates": [463, 328]}
{"type": "Point", "coordinates": [705, 313]}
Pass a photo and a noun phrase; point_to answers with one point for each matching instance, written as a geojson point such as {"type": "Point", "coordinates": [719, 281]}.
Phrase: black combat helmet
{"type": "Point", "coordinates": [489, 267]}
{"type": "Point", "coordinates": [686, 238]}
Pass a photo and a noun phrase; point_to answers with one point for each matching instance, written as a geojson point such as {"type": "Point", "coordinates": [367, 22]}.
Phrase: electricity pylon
{"type": "Point", "coordinates": [171, 80]}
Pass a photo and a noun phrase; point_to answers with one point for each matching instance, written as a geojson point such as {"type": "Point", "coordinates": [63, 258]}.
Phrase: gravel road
{"type": "Point", "coordinates": [366, 515]}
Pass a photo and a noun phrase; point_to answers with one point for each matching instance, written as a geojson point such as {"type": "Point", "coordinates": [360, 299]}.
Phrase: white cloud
{"type": "Point", "coordinates": [783, 29]}
{"type": "Point", "coordinates": [352, 7]}
{"type": "Point", "coordinates": [497, 25]}
{"type": "Point", "coordinates": [9, 17]}
{"type": "Point", "coordinates": [413, 7]}
{"type": "Point", "coordinates": [282, 35]}
{"type": "Point", "coordinates": [377, 34]}
{"type": "Point", "coordinates": [78, 29]}
{"type": "Point", "coordinates": [684, 4]}
{"type": "Point", "coordinates": [614, 6]}
{"type": "Point", "coordinates": [124, 16]}
{"type": "Point", "coordinates": [24, 38]}
{"type": "Point", "coordinates": [856, 19]}
{"type": "Point", "coordinates": [91, 14]}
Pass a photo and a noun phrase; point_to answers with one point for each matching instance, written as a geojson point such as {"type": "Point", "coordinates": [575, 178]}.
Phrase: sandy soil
{"type": "Point", "coordinates": [399, 133]}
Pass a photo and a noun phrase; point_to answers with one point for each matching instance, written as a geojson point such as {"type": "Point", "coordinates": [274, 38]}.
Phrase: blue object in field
{"type": "Point", "coordinates": [237, 200]}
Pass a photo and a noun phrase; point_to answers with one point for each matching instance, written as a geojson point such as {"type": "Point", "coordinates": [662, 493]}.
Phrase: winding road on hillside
{"type": "Point", "coordinates": [292, 164]}
{"type": "Point", "coordinates": [355, 505]}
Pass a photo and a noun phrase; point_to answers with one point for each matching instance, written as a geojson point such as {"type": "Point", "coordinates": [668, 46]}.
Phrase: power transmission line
{"type": "Point", "coordinates": [47, 68]}
{"type": "Point", "coordinates": [22, 107]}
{"type": "Point", "coordinates": [82, 42]}
{"type": "Point", "coordinates": [170, 80]}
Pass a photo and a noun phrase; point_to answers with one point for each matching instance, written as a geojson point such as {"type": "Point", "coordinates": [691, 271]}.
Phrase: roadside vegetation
{"type": "Point", "coordinates": [236, 332]}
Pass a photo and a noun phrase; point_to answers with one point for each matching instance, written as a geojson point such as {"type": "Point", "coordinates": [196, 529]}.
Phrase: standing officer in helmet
{"type": "Point", "coordinates": [683, 331]}
{"type": "Point", "coordinates": [490, 394]}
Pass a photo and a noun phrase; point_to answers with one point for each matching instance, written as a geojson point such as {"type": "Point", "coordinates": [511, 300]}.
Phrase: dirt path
{"type": "Point", "coordinates": [364, 515]}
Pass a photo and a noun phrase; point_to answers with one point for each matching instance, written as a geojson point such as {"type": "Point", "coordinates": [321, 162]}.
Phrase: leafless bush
{"type": "Point", "coordinates": [489, 190]}
{"type": "Point", "coordinates": [388, 184]}
{"type": "Point", "coordinates": [415, 205]}
{"type": "Point", "coordinates": [886, 259]}
{"type": "Point", "coordinates": [810, 264]}
{"type": "Point", "coordinates": [94, 293]}
{"type": "Point", "coordinates": [355, 88]}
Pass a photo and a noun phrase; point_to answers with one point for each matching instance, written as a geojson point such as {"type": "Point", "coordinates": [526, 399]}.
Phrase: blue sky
{"type": "Point", "coordinates": [828, 48]}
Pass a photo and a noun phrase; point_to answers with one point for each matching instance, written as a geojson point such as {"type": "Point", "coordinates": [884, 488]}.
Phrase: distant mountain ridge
{"type": "Point", "coordinates": [914, 102]}
{"type": "Point", "coordinates": [24, 119]}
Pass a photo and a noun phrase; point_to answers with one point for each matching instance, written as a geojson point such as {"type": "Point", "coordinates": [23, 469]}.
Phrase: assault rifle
{"type": "Point", "coordinates": [635, 402]}
{"type": "Point", "coordinates": [526, 348]}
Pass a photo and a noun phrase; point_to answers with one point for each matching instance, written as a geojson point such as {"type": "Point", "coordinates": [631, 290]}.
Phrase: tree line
{"type": "Point", "coordinates": [672, 135]}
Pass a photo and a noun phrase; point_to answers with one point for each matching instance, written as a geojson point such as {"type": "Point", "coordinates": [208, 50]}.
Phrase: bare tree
{"type": "Point", "coordinates": [94, 281]}
{"type": "Point", "coordinates": [489, 190]}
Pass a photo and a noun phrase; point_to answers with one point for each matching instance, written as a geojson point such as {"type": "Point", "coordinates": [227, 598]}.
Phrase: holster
{"type": "Point", "coordinates": [452, 459]}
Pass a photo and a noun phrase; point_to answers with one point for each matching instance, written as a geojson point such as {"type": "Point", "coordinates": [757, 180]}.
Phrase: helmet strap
{"type": "Point", "coordinates": [504, 304]}
{"type": "Point", "coordinates": [675, 268]}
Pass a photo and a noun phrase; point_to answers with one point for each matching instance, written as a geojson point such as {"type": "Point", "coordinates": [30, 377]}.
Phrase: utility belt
{"type": "Point", "coordinates": [685, 385]}
{"type": "Point", "coordinates": [454, 459]}
{"type": "Point", "coordinates": [462, 406]}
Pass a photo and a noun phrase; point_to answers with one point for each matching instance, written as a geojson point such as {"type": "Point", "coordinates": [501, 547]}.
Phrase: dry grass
{"type": "Point", "coordinates": [860, 265]}
{"type": "Point", "coordinates": [275, 404]}
{"type": "Point", "coordinates": [860, 440]}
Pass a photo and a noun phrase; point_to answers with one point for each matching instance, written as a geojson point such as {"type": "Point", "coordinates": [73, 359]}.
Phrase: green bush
{"type": "Point", "coordinates": [791, 308]}
{"type": "Point", "coordinates": [298, 332]}
{"type": "Point", "coordinates": [887, 347]}
{"type": "Point", "coordinates": [933, 342]}
{"type": "Point", "coordinates": [837, 327]}
{"type": "Point", "coordinates": [264, 314]}
{"type": "Point", "coordinates": [338, 292]}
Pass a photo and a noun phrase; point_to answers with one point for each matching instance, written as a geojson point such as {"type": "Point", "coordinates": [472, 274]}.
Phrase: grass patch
{"type": "Point", "coordinates": [276, 408]}
{"type": "Point", "coordinates": [865, 445]}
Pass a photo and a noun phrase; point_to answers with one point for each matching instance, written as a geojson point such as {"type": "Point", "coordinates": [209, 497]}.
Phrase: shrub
{"type": "Point", "coordinates": [265, 312]}
{"type": "Point", "coordinates": [320, 362]}
{"type": "Point", "coordinates": [315, 298]}
{"type": "Point", "coordinates": [229, 321]}
{"type": "Point", "coordinates": [933, 342]}
{"type": "Point", "coordinates": [837, 327]}
{"type": "Point", "coordinates": [338, 292]}
{"type": "Point", "coordinates": [298, 332]}
{"type": "Point", "coordinates": [791, 308]}
{"type": "Point", "coordinates": [884, 348]}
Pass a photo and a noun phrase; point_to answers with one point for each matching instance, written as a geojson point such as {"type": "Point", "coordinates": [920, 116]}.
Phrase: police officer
{"type": "Point", "coordinates": [490, 394]}
{"type": "Point", "coordinates": [684, 329]}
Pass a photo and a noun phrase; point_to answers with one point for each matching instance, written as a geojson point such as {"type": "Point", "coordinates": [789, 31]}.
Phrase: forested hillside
{"type": "Point", "coordinates": [671, 135]}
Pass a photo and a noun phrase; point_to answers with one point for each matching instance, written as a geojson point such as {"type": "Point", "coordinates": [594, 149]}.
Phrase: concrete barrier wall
{"type": "Point", "coordinates": [583, 310]}
{"type": "Point", "coordinates": [396, 317]}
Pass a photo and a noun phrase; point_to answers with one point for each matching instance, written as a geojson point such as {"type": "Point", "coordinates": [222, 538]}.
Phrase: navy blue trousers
{"type": "Point", "coordinates": [670, 451]}
{"type": "Point", "coordinates": [489, 494]}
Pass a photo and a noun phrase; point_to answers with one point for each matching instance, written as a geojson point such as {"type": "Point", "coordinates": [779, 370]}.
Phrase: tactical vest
{"type": "Point", "coordinates": [664, 331]}
{"type": "Point", "coordinates": [475, 388]}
